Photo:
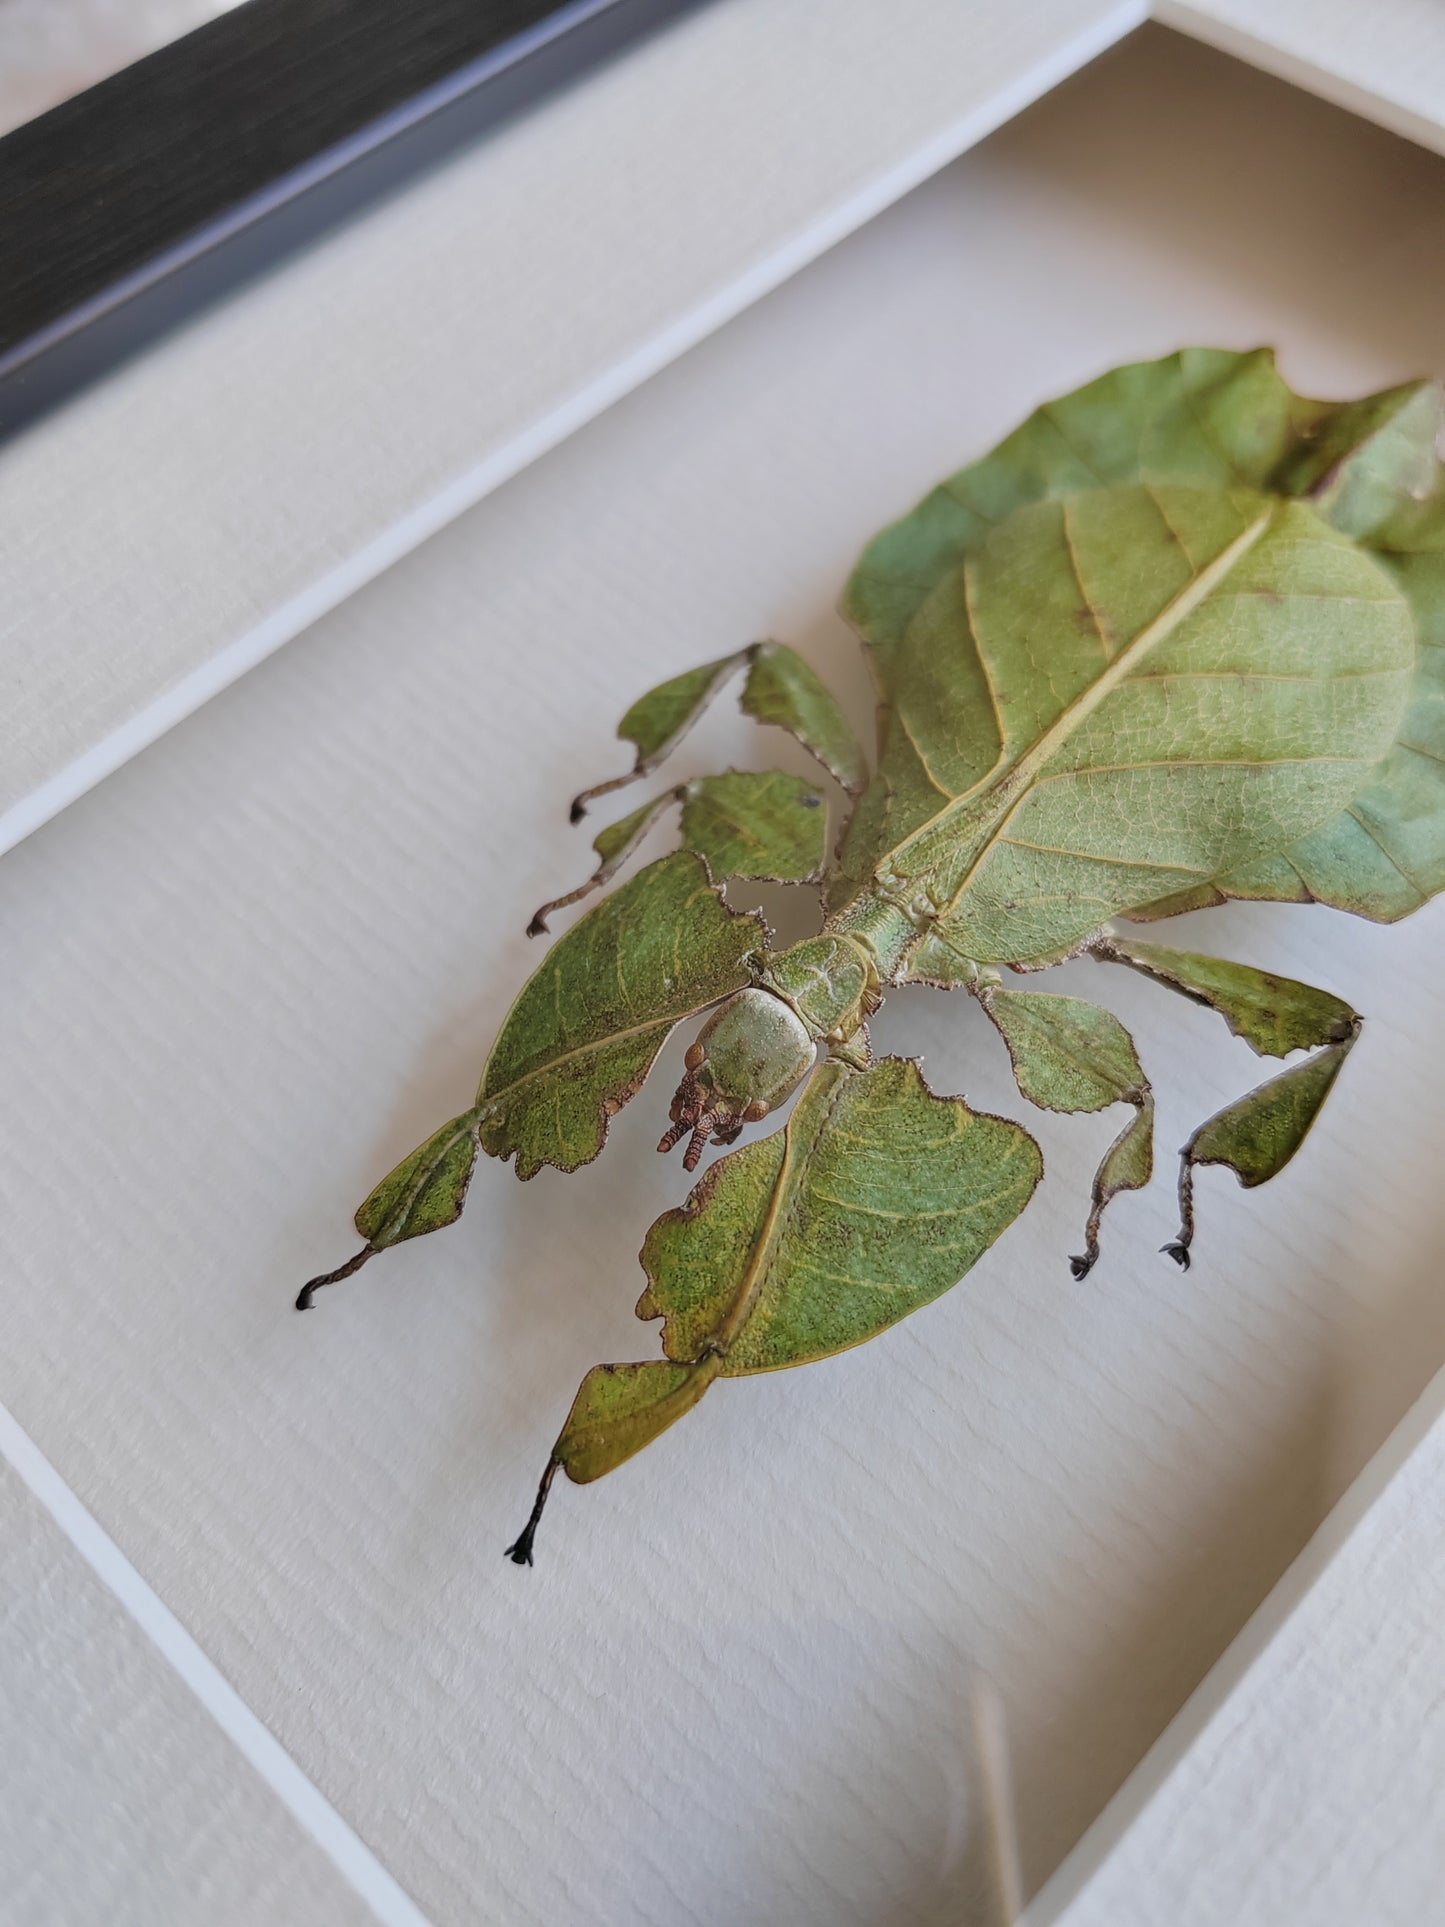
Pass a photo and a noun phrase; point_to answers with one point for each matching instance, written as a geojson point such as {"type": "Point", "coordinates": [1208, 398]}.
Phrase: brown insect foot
{"type": "Point", "coordinates": [520, 1550]}
{"type": "Point", "coordinates": [306, 1297]}
{"type": "Point", "coordinates": [1178, 1250]}
{"type": "Point", "coordinates": [1082, 1265]}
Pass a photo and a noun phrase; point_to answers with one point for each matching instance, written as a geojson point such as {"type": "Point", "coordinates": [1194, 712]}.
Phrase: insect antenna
{"type": "Point", "coordinates": [697, 1144]}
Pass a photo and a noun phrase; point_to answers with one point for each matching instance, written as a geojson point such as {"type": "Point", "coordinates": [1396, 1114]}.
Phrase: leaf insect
{"type": "Point", "coordinates": [1180, 638]}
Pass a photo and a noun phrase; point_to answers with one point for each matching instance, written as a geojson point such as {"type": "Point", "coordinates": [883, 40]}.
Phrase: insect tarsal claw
{"type": "Point", "coordinates": [306, 1297]}
{"type": "Point", "coordinates": [538, 926]}
{"type": "Point", "coordinates": [520, 1550]}
{"type": "Point", "coordinates": [1178, 1251]}
{"type": "Point", "coordinates": [1081, 1265]}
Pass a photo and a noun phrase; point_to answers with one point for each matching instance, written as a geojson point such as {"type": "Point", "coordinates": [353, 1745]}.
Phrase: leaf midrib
{"type": "Point", "coordinates": [1012, 780]}
{"type": "Point", "coordinates": [488, 1102]}
{"type": "Point", "coordinates": [781, 1205]}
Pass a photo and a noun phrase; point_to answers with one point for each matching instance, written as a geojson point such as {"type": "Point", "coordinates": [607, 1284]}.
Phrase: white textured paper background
{"type": "Point", "coordinates": [259, 963]}
{"type": "Point", "coordinates": [1316, 1792]}
{"type": "Point", "coordinates": [250, 471]}
{"type": "Point", "coordinates": [121, 1800]}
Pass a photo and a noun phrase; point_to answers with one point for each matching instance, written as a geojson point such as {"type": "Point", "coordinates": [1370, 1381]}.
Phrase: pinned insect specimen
{"type": "Point", "coordinates": [1179, 639]}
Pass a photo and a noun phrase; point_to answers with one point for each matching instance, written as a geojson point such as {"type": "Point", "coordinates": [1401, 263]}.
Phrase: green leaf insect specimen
{"type": "Point", "coordinates": [1179, 639]}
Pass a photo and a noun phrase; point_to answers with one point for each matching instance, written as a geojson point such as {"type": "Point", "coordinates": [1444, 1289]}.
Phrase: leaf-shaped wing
{"type": "Point", "coordinates": [1207, 416]}
{"type": "Point", "coordinates": [1358, 463]}
{"type": "Point", "coordinates": [1203, 414]}
{"type": "Point", "coordinates": [1383, 855]}
{"type": "Point", "coordinates": [1202, 417]}
{"type": "Point", "coordinates": [875, 1199]}
{"type": "Point", "coordinates": [1183, 680]}
{"type": "Point", "coordinates": [584, 1033]}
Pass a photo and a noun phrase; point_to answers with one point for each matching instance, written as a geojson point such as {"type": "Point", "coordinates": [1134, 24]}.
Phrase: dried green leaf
{"type": "Point", "coordinates": [584, 1033]}
{"type": "Point", "coordinates": [782, 689]}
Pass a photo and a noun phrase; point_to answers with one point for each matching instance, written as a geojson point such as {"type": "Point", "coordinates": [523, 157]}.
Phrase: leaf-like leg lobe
{"type": "Point", "coordinates": [1259, 1133]}
{"type": "Point", "coordinates": [613, 846]}
{"type": "Point", "coordinates": [1069, 1055]}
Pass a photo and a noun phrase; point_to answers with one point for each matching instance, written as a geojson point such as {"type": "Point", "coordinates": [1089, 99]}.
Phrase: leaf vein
{"type": "Point", "coordinates": [1388, 855]}
{"type": "Point", "coordinates": [1088, 856]}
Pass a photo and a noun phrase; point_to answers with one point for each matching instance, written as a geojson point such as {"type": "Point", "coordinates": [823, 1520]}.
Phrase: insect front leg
{"type": "Point", "coordinates": [613, 847]}
{"type": "Point", "coordinates": [1259, 1133]}
{"type": "Point", "coordinates": [575, 1047]}
{"type": "Point", "coordinates": [658, 721]}
{"type": "Point", "coordinates": [763, 826]}
{"type": "Point", "coordinates": [781, 688]}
